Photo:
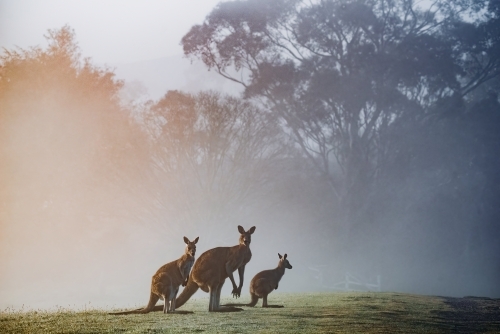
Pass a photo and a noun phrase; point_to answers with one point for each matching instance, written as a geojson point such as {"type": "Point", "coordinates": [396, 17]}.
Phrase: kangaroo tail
{"type": "Point", "coordinates": [188, 291]}
{"type": "Point", "coordinates": [252, 303]}
{"type": "Point", "coordinates": [139, 311]}
{"type": "Point", "coordinates": [254, 300]}
{"type": "Point", "coordinates": [153, 299]}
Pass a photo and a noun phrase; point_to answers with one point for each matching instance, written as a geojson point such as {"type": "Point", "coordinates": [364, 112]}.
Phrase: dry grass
{"type": "Point", "coordinates": [303, 313]}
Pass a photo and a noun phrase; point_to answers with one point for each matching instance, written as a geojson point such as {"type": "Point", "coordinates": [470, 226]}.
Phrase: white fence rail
{"type": "Point", "coordinates": [350, 282]}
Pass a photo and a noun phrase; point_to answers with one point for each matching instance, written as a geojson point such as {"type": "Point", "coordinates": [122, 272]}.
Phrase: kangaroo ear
{"type": "Point", "coordinates": [241, 229]}
{"type": "Point", "coordinates": [195, 241]}
{"type": "Point", "coordinates": [279, 255]}
{"type": "Point", "coordinates": [251, 230]}
{"type": "Point", "coordinates": [285, 256]}
{"type": "Point", "coordinates": [186, 240]}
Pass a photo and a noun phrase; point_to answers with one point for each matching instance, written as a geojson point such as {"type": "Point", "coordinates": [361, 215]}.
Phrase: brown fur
{"type": "Point", "coordinates": [213, 267]}
{"type": "Point", "coordinates": [265, 282]}
{"type": "Point", "coordinates": [165, 283]}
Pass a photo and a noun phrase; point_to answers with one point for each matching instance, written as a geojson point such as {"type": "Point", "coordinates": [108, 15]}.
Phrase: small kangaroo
{"type": "Point", "coordinates": [213, 267]}
{"type": "Point", "coordinates": [265, 282]}
{"type": "Point", "coordinates": [165, 283]}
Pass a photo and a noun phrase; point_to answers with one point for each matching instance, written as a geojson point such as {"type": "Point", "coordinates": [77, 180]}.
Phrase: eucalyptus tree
{"type": "Point", "coordinates": [341, 75]}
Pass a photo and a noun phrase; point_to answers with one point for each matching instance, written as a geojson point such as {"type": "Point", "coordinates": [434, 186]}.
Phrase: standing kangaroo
{"type": "Point", "coordinates": [213, 267]}
{"type": "Point", "coordinates": [265, 282]}
{"type": "Point", "coordinates": [165, 283]}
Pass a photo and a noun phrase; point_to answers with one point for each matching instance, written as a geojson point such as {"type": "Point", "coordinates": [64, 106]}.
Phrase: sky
{"type": "Point", "coordinates": [108, 31]}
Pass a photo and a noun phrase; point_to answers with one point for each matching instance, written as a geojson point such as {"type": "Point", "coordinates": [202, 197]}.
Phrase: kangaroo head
{"type": "Point", "coordinates": [284, 262]}
{"type": "Point", "coordinates": [191, 246]}
{"type": "Point", "coordinates": [246, 237]}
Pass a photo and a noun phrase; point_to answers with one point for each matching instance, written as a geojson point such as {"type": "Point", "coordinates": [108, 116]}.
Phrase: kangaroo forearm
{"type": "Point", "coordinates": [233, 281]}
{"type": "Point", "coordinates": [230, 275]}
{"type": "Point", "coordinates": [241, 272]}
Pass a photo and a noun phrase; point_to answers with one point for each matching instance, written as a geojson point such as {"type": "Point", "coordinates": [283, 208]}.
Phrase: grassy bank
{"type": "Point", "coordinates": [303, 313]}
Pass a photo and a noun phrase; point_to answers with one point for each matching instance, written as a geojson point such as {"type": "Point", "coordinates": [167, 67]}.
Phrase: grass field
{"type": "Point", "coordinates": [350, 312]}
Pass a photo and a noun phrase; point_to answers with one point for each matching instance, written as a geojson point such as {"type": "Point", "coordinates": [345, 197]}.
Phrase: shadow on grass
{"type": "Point", "coordinates": [471, 314]}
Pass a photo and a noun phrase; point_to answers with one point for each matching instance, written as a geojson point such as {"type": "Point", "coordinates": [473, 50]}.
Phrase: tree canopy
{"type": "Point", "coordinates": [341, 74]}
{"type": "Point", "coordinates": [214, 156]}
{"type": "Point", "coordinates": [67, 146]}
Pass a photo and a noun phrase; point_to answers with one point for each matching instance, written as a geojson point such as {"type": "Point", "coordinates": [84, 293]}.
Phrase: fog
{"type": "Point", "coordinates": [151, 79]}
{"type": "Point", "coordinates": [101, 180]}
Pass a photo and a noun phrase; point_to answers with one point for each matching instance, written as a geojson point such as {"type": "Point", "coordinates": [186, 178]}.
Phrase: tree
{"type": "Point", "coordinates": [71, 160]}
{"type": "Point", "coordinates": [214, 157]}
{"type": "Point", "coordinates": [343, 74]}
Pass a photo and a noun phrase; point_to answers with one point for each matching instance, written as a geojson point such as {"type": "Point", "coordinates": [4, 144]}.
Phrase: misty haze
{"type": "Point", "coordinates": [358, 139]}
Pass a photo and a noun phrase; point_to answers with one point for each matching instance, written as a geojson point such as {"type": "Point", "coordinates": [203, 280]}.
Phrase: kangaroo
{"type": "Point", "coordinates": [265, 282]}
{"type": "Point", "coordinates": [165, 283]}
{"type": "Point", "coordinates": [213, 267]}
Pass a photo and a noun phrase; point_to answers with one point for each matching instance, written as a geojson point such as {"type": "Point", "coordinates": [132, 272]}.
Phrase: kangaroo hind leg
{"type": "Point", "coordinates": [214, 305]}
{"type": "Point", "coordinates": [217, 294]}
{"type": "Point", "coordinates": [265, 304]}
{"type": "Point", "coordinates": [211, 302]}
{"type": "Point", "coordinates": [172, 303]}
{"type": "Point", "coordinates": [167, 300]}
